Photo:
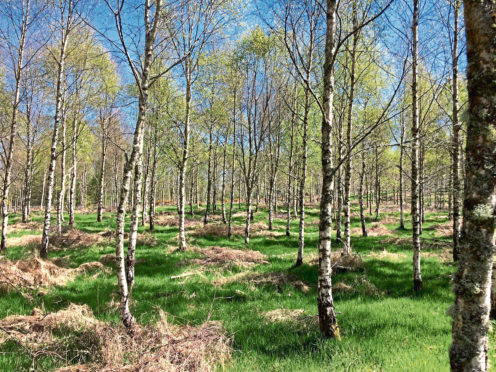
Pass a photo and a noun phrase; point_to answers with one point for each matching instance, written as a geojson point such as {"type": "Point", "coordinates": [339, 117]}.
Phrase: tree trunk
{"type": "Point", "coordinates": [28, 171]}
{"type": "Point", "coordinates": [417, 276]}
{"type": "Point", "coordinates": [53, 149]}
{"type": "Point", "coordinates": [153, 184]}
{"type": "Point", "coordinates": [224, 170]}
{"type": "Point", "coordinates": [456, 138]}
{"type": "Point", "coordinates": [249, 214]}
{"type": "Point", "coordinates": [61, 201]}
{"type": "Point", "coordinates": [209, 175]}
{"type": "Point", "coordinates": [135, 217]}
{"type": "Point", "coordinates": [101, 181]}
{"type": "Point", "coordinates": [146, 183]}
{"type": "Point", "coordinates": [377, 184]}
{"type": "Point", "coordinates": [233, 169]}
{"type": "Point", "coordinates": [184, 161]}
{"type": "Point", "coordinates": [402, 152]}
{"type": "Point", "coordinates": [72, 192]}
{"type": "Point", "coordinates": [13, 128]}
{"type": "Point", "coordinates": [290, 165]}
{"type": "Point", "coordinates": [303, 176]}
{"type": "Point", "coordinates": [339, 210]}
{"type": "Point", "coordinates": [360, 194]}
{"type": "Point", "coordinates": [347, 176]}
{"type": "Point", "coordinates": [327, 316]}
{"type": "Point", "coordinates": [472, 281]}
{"type": "Point", "coordinates": [214, 180]}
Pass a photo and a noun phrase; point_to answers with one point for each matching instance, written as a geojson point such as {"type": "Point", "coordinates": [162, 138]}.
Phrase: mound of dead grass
{"type": "Point", "coordinates": [29, 241]}
{"type": "Point", "coordinates": [74, 335]}
{"type": "Point", "coordinates": [73, 238]}
{"type": "Point", "coordinates": [296, 316]}
{"type": "Point", "coordinates": [277, 279]}
{"type": "Point", "coordinates": [340, 262]}
{"type": "Point", "coordinates": [443, 229]}
{"type": "Point", "coordinates": [377, 229]}
{"type": "Point", "coordinates": [34, 273]}
{"type": "Point", "coordinates": [374, 229]}
{"type": "Point", "coordinates": [228, 257]}
{"type": "Point", "coordinates": [342, 287]}
{"type": "Point", "coordinates": [391, 256]}
{"type": "Point", "coordinates": [173, 220]}
{"type": "Point", "coordinates": [23, 226]}
{"type": "Point", "coordinates": [220, 230]}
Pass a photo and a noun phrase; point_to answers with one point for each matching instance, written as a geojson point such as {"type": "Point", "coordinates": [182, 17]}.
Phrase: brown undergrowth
{"type": "Point", "coordinates": [220, 230]}
{"type": "Point", "coordinates": [23, 226]}
{"type": "Point", "coordinates": [33, 273]}
{"type": "Point", "coordinates": [340, 262]}
{"type": "Point", "coordinates": [276, 279]}
{"type": "Point", "coordinates": [443, 229]}
{"type": "Point", "coordinates": [83, 343]}
{"type": "Point", "coordinates": [374, 229]}
{"type": "Point", "coordinates": [173, 220]}
{"type": "Point", "coordinates": [74, 238]}
{"type": "Point", "coordinates": [227, 257]}
{"type": "Point", "coordinates": [292, 316]}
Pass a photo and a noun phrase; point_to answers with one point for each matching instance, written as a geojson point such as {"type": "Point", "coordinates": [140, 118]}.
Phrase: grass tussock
{"type": "Point", "coordinates": [276, 279]}
{"type": "Point", "coordinates": [443, 229]}
{"type": "Point", "coordinates": [228, 257]}
{"type": "Point", "coordinates": [84, 343]}
{"type": "Point", "coordinates": [172, 220]}
{"type": "Point", "coordinates": [29, 240]}
{"type": "Point", "coordinates": [33, 273]}
{"type": "Point", "coordinates": [340, 262]}
{"type": "Point", "coordinates": [386, 255]}
{"type": "Point", "coordinates": [23, 226]}
{"type": "Point", "coordinates": [375, 229]}
{"type": "Point", "coordinates": [74, 238]}
{"type": "Point", "coordinates": [220, 230]}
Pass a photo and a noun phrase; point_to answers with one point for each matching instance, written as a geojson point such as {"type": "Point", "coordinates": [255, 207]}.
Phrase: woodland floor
{"type": "Point", "coordinates": [265, 305]}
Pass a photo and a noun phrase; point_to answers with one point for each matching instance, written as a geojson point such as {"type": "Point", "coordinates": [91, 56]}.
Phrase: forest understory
{"type": "Point", "coordinates": [222, 304]}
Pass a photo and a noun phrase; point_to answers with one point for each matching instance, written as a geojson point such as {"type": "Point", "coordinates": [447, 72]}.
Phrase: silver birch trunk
{"type": "Point", "coordinates": [72, 191]}
{"type": "Point", "coordinates": [101, 181]}
{"type": "Point", "coordinates": [347, 175]}
{"type": "Point", "coordinates": [325, 303]}
{"type": "Point", "coordinates": [61, 201]}
{"type": "Point", "coordinates": [184, 160]}
{"type": "Point", "coordinates": [417, 275]}
{"type": "Point", "coordinates": [472, 281]}
{"type": "Point", "coordinates": [55, 137]}
{"type": "Point", "coordinates": [13, 128]}
{"type": "Point", "coordinates": [456, 138]}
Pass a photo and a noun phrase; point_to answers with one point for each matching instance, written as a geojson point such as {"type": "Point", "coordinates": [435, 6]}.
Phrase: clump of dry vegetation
{"type": "Point", "coordinates": [291, 316]}
{"type": "Point", "coordinates": [443, 229]}
{"type": "Point", "coordinates": [34, 273]}
{"type": "Point", "coordinates": [23, 226]}
{"type": "Point", "coordinates": [277, 279]}
{"type": "Point", "coordinates": [216, 230]}
{"type": "Point", "coordinates": [228, 257]}
{"type": "Point", "coordinates": [375, 229]}
{"type": "Point", "coordinates": [73, 238]}
{"type": "Point", "coordinates": [173, 220]}
{"type": "Point", "coordinates": [391, 256]}
{"type": "Point", "coordinates": [146, 239]}
{"type": "Point", "coordinates": [220, 230]}
{"type": "Point", "coordinates": [340, 262]}
{"type": "Point", "coordinates": [342, 287]}
{"type": "Point", "coordinates": [29, 240]}
{"type": "Point", "coordinates": [76, 337]}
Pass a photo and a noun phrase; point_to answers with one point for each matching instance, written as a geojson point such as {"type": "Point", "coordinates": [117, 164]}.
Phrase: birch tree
{"type": "Point", "coordinates": [472, 281]}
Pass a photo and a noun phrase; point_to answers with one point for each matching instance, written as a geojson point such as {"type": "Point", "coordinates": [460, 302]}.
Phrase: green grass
{"type": "Point", "coordinates": [391, 329]}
